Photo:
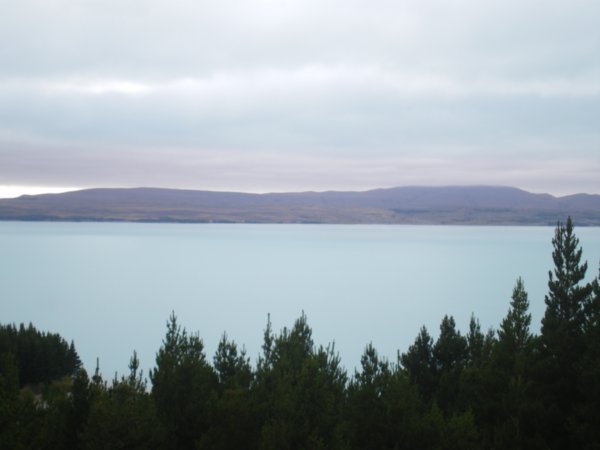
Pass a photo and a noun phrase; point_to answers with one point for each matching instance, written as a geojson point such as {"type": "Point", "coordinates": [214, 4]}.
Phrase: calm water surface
{"type": "Point", "coordinates": [111, 287]}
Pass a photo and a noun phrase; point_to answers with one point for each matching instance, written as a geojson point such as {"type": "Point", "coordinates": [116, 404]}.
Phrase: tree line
{"type": "Point", "coordinates": [500, 389]}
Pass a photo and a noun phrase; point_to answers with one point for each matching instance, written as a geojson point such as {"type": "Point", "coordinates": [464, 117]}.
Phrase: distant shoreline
{"type": "Point", "coordinates": [164, 222]}
{"type": "Point", "coordinates": [452, 205]}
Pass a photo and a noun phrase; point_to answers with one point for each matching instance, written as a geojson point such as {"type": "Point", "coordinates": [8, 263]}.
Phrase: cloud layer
{"type": "Point", "coordinates": [264, 95]}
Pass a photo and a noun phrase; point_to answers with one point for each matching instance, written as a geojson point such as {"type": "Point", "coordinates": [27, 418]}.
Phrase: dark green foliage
{"type": "Point", "coordinates": [449, 358]}
{"type": "Point", "coordinates": [564, 320]}
{"type": "Point", "coordinates": [232, 366]}
{"type": "Point", "coordinates": [30, 361]}
{"type": "Point", "coordinates": [563, 343]}
{"type": "Point", "coordinates": [514, 336]}
{"type": "Point", "coordinates": [79, 408]}
{"type": "Point", "coordinates": [123, 416]}
{"type": "Point", "coordinates": [477, 348]}
{"type": "Point", "coordinates": [299, 392]}
{"type": "Point", "coordinates": [473, 388]}
{"type": "Point", "coordinates": [450, 349]}
{"type": "Point", "coordinates": [40, 357]}
{"type": "Point", "coordinates": [9, 390]}
{"type": "Point", "coordinates": [509, 380]}
{"type": "Point", "coordinates": [589, 427]}
{"type": "Point", "coordinates": [385, 411]}
{"type": "Point", "coordinates": [233, 420]}
{"type": "Point", "coordinates": [508, 389]}
{"type": "Point", "coordinates": [183, 387]}
{"type": "Point", "coordinates": [420, 366]}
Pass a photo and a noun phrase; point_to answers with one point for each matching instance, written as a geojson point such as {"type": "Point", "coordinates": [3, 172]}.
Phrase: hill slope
{"type": "Point", "coordinates": [417, 205]}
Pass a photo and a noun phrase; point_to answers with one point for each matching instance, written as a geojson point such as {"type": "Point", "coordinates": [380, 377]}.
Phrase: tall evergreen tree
{"type": "Point", "coordinates": [562, 339]}
{"type": "Point", "coordinates": [123, 416]}
{"type": "Point", "coordinates": [568, 296]}
{"type": "Point", "coordinates": [510, 378]}
{"type": "Point", "coordinates": [475, 343]}
{"type": "Point", "coordinates": [589, 419]}
{"type": "Point", "coordinates": [384, 407]}
{"type": "Point", "coordinates": [299, 391]}
{"type": "Point", "coordinates": [233, 422]}
{"type": "Point", "coordinates": [514, 335]}
{"type": "Point", "coordinates": [368, 421]}
{"type": "Point", "coordinates": [474, 390]}
{"type": "Point", "coordinates": [265, 360]}
{"type": "Point", "coordinates": [40, 356]}
{"type": "Point", "coordinates": [78, 411]}
{"type": "Point", "coordinates": [231, 364]}
{"type": "Point", "coordinates": [9, 390]}
{"type": "Point", "coordinates": [449, 356]}
{"type": "Point", "coordinates": [183, 384]}
{"type": "Point", "coordinates": [419, 364]}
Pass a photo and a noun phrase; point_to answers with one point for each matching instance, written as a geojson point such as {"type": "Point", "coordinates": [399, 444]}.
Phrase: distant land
{"type": "Point", "coordinates": [457, 205]}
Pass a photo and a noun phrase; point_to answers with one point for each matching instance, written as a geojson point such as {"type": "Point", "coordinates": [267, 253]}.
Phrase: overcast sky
{"type": "Point", "coordinates": [282, 95]}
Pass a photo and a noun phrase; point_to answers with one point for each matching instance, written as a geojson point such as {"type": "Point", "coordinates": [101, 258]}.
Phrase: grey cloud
{"type": "Point", "coordinates": [152, 38]}
{"type": "Point", "coordinates": [311, 113]}
{"type": "Point", "coordinates": [60, 164]}
{"type": "Point", "coordinates": [276, 95]}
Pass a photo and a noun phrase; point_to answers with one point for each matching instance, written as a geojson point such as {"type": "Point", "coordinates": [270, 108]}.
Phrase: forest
{"type": "Point", "coordinates": [508, 388]}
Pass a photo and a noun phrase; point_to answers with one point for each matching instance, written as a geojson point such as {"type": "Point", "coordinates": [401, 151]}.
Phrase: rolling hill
{"type": "Point", "coordinates": [482, 205]}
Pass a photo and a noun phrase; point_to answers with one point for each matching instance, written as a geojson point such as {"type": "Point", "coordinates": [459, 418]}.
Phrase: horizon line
{"type": "Point", "coordinates": [16, 191]}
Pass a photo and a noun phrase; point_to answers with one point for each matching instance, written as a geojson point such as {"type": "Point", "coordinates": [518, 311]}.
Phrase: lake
{"type": "Point", "coordinates": [111, 286]}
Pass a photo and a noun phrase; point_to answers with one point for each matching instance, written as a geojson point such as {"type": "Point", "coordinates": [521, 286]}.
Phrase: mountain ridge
{"type": "Point", "coordinates": [460, 205]}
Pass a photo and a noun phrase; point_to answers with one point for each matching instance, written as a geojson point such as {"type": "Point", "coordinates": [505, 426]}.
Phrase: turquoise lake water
{"type": "Point", "coordinates": [111, 286]}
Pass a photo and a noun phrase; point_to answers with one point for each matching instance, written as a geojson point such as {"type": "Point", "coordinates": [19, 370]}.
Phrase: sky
{"type": "Point", "coordinates": [294, 95]}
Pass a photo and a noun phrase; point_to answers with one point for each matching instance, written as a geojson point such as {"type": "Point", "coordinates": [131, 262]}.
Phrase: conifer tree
{"type": "Point", "coordinates": [510, 381]}
{"type": "Point", "coordinates": [299, 391]}
{"type": "Point", "coordinates": [123, 415]}
{"type": "Point", "coordinates": [233, 419]}
{"type": "Point", "coordinates": [265, 361]}
{"type": "Point", "coordinates": [79, 410]}
{"type": "Point", "coordinates": [562, 339]}
{"type": "Point", "coordinates": [450, 349]}
{"type": "Point", "coordinates": [9, 390]}
{"type": "Point", "coordinates": [419, 364]}
{"type": "Point", "coordinates": [476, 343]}
{"type": "Point", "coordinates": [514, 334]}
{"type": "Point", "coordinates": [368, 421]}
{"type": "Point", "coordinates": [567, 298]}
{"type": "Point", "coordinates": [474, 390]}
{"type": "Point", "coordinates": [449, 356]}
{"type": "Point", "coordinates": [589, 419]}
{"type": "Point", "coordinates": [232, 365]}
{"type": "Point", "coordinates": [182, 386]}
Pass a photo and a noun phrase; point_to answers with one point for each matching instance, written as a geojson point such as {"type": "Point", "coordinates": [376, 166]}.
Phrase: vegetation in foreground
{"type": "Point", "coordinates": [503, 389]}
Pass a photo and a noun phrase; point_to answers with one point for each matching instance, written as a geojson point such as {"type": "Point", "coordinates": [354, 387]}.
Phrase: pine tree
{"type": "Point", "coordinates": [474, 392]}
{"type": "Point", "coordinates": [9, 391]}
{"type": "Point", "coordinates": [562, 339]}
{"type": "Point", "coordinates": [231, 365]}
{"type": "Point", "coordinates": [567, 298]}
{"type": "Point", "coordinates": [265, 361]}
{"type": "Point", "coordinates": [123, 415]}
{"type": "Point", "coordinates": [418, 363]}
{"type": "Point", "coordinates": [476, 344]}
{"type": "Point", "coordinates": [514, 334]}
{"type": "Point", "coordinates": [79, 409]}
{"type": "Point", "coordinates": [589, 419]}
{"type": "Point", "coordinates": [233, 419]}
{"type": "Point", "coordinates": [299, 391]}
{"type": "Point", "coordinates": [368, 418]}
{"type": "Point", "coordinates": [449, 356]}
{"type": "Point", "coordinates": [183, 384]}
{"type": "Point", "coordinates": [510, 380]}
